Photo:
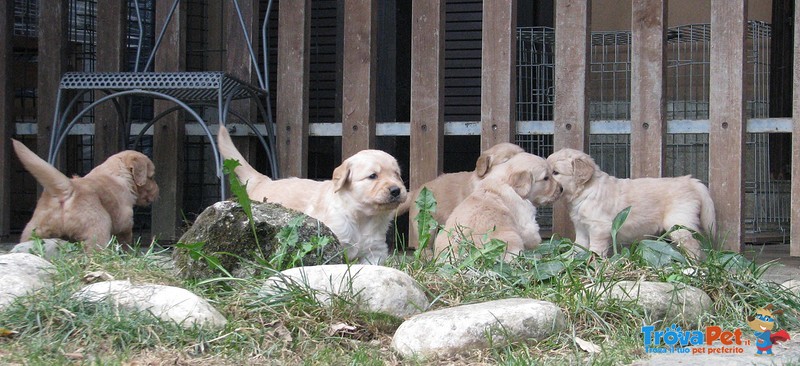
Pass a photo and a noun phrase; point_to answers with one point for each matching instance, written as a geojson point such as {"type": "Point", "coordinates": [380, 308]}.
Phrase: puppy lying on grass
{"type": "Point", "coordinates": [503, 207]}
{"type": "Point", "coordinates": [91, 208]}
{"type": "Point", "coordinates": [452, 188]}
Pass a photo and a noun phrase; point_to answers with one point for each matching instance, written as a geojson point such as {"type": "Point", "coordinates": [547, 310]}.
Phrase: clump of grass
{"type": "Point", "coordinates": [293, 327]}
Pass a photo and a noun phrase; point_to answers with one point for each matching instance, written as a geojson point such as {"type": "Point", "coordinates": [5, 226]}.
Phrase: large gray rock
{"type": "Point", "coordinates": [661, 301]}
{"type": "Point", "coordinates": [224, 228]}
{"type": "Point", "coordinates": [459, 329]}
{"type": "Point", "coordinates": [50, 248]}
{"type": "Point", "coordinates": [793, 286]}
{"type": "Point", "coordinates": [372, 288]}
{"type": "Point", "coordinates": [22, 273]}
{"type": "Point", "coordinates": [165, 302]}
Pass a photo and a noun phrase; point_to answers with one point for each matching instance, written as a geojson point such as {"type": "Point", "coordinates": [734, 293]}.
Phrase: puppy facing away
{"type": "Point", "coordinates": [657, 204]}
{"type": "Point", "coordinates": [452, 188]}
{"type": "Point", "coordinates": [358, 204]}
{"type": "Point", "coordinates": [503, 206]}
{"type": "Point", "coordinates": [90, 208]}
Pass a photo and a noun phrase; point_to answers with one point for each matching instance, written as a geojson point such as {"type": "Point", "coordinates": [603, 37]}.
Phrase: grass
{"type": "Point", "coordinates": [51, 328]}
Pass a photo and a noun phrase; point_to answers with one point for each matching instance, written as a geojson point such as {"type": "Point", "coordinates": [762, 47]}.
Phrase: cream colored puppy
{"type": "Point", "coordinates": [90, 208]}
{"type": "Point", "coordinates": [503, 206]}
{"type": "Point", "coordinates": [657, 204]}
{"type": "Point", "coordinates": [452, 188]}
{"type": "Point", "coordinates": [358, 204]}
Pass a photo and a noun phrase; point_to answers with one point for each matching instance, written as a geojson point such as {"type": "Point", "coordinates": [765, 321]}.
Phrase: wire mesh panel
{"type": "Point", "coordinates": [687, 84]}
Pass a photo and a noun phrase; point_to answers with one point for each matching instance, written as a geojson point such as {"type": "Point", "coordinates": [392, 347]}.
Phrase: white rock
{"type": "Point", "coordinates": [22, 273]}
{"type": "Point", "coordinates": [164, 302]}
{"type": "Point", "coordinates": [49, 246]}
{"type": "Point", "coordinates": [661, 301]}
{"type": "Point", "coordinates": [374, 288]}
{"type": "Point", "coordinates": [455, 330]}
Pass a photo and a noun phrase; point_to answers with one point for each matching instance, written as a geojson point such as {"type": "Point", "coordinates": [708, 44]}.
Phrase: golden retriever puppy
{"type": "Point", "coordinates": [358, 204]}
{"type": "Point", "coordinates": [503, 206]}
{"type": "Point", "coordinates": [90, 208]}
{"type": "Point", "coordinates": [452, 188]}
{"type": "Point", "coordinates": [657, 204]}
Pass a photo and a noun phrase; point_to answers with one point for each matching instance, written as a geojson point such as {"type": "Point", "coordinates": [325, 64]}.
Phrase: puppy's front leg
{"type": "Point", "coordinates": [598, 241]}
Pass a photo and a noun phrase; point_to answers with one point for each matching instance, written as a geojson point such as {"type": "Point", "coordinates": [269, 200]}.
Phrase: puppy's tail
{"type": "Point", "coordinates": [53, 181]}
{"type": "Point", "coordinates": [707, 212]}
{"type": "Point", "coordinates": [244, 171]}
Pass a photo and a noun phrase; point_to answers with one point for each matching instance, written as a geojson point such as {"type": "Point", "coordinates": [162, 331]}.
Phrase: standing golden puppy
{"type": "Point", "coordinates": [90, 208]}
{"type": "Point", "coordinates": [503, 206]}
{"type": "Point", "coordinates": [357, 204]}
{"type": "Point", "coordinates": [657, 204]}
{"type": "Point", "coordinates": [452, 188]}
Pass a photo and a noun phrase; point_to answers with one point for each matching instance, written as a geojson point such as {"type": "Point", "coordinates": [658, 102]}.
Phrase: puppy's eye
{"type": "Point", "coordinates": [373, 176]}
{"type": "Point", "coordinates": [555, 172]}
{"type": "Point", "coordinates": [546, 178]}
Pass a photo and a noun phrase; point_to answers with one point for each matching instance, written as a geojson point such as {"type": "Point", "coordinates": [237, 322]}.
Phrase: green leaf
{"type": "Point", "coordinates": [617, 224]}
{"type": "Point", "coordinates": [547, 269]}
{"type": "Point", "coordinates": [426, 204]}
{"type": "Point", "coordinates": [658, 253]}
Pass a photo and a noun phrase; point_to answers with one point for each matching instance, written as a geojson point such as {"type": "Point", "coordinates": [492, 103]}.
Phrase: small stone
{"type": "Point", "coordinates": [460, 329]}
{"type": "Point", "coordinates": [374, 288]}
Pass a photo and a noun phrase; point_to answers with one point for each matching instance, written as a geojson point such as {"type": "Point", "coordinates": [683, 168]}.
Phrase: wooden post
{"type": "Point", "coordinates": [571, 112]}
{"type": "Point", "coordinates": [360, 70]}
{"type": "Point", "coordinates": [498, 72]}
{"type": "Point", "coordinates": [794, 246]}
{"type": "Point", "coordinates": [7, 120]}
{"type": "Point", "coordinates": [427, 91]}
{"type": "Point", "coordinates": [53, 47]}
{"type": "Point", "coordinates": [169, 133]}
{"type": "Point", "coordinates": [648, 88]}
{"type": "Point", "coordinates": [112, 18]}
{"type": "Point", "coordinates": [237, 63]}
{"type": "Point", "coordinates": [292, 99]}
{"type": "Point", "coordinates": [727, 118]}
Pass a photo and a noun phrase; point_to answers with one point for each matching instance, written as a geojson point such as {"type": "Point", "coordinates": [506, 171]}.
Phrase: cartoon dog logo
{"type": "Point", "coordinates": [763, 323]}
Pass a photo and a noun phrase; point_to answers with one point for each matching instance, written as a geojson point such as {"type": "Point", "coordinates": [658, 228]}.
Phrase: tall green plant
{"type": "Point", "coordinates": [240, 191]}
{"type": "Point", "coordinates": [616, 225]}
{"type": "Point", "coordinates": [426, 204]}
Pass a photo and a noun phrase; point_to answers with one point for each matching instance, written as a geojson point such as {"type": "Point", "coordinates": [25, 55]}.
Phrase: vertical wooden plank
{"type": "Point", "coordinates": [427, 95]}
{"type": "Point", "coordinates": [571, 112]}
{"type": "Point", "coordinates": [648, 88]}
{"type": "Point", "coordinates": [359, 73]}
{"type": "Point", "coordinates": [7, 120]}
{"type": "Point", "coordinates": [727, 118]}
{"type": "Point", "coordinates": [427, 90]}
{"type": "Point", "coordinates": [236, 61]}
{"type": "Point", "coordinates": [794, 246]}
{"type": "Point", "coordinates": [498, 72]}
{"type": "Point", "coordinates": [294, 69]}
{"type": "Point", "coordinates": [53, 46]}
{"type": "Point", "coordinates": [112, 19]}
{"type": "Point", "coordinates": [169, 133]}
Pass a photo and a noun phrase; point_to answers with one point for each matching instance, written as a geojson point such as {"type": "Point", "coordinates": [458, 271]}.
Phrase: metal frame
{"type": "Point", "coordinates": [188, 90]}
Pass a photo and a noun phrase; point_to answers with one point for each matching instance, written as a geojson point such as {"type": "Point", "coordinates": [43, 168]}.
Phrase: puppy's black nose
{"type": "Point", "coordinates": [394, 191]}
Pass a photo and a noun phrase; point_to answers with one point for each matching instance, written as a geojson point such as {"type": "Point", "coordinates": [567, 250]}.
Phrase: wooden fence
{"type": "Point", "coordinates": [570, 125]}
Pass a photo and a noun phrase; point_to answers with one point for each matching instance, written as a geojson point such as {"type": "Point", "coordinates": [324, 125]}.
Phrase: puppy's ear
{"type": "Point", "coordinates": [138, 169]}
{"type": "Point", "coordinates": [495, 155]}
{"type": "Point", "coordinates": [583, 169]}
{"type": "Point", "coordinates": [522, 182]}
{"type": "Point", "coordinates": [341, 176]}
{"type": "Point", "coordinates": [483, 164]}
